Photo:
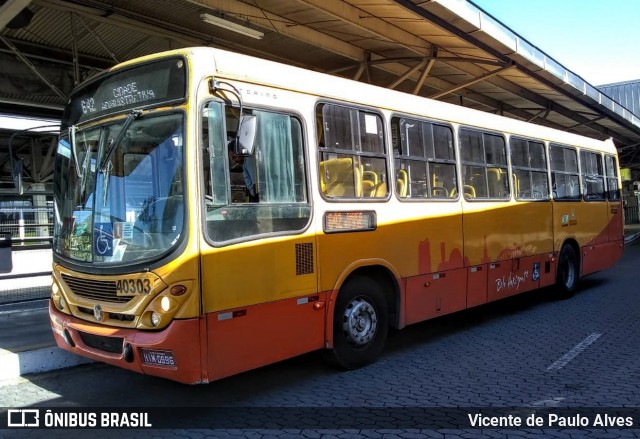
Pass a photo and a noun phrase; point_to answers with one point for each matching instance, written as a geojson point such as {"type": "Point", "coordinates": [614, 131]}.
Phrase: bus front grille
{"type": "Point", "coordinates": [102, 343]}
{"type": "Point", "coordinates": [101, 290]}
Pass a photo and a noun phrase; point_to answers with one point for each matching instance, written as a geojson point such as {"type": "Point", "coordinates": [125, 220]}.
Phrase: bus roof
{"type": "Point", "coordinates": [236, 66]}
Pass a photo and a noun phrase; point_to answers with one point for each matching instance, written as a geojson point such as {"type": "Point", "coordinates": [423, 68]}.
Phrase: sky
{"type": "Point", "coordinates": [598, 40]}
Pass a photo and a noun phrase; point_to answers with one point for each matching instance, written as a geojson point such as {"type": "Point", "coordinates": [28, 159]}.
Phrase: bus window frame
{"type": "Point", "coordinates": [584, 175]}
{"type": "Point", "coordinates": [454, 162]}
{"type": "Point", "coordinates": [507, 166]}
{"type": "Point", "coordinates": [201, 175]}
{"type": "Point", "coordinates": [512, 169]}
{"type": "Point", "coordinates": [579, 173]}
{"type": "Point", "coordinates": [318, 105]}
{"type": "Point", "coordinates": [615, 177]}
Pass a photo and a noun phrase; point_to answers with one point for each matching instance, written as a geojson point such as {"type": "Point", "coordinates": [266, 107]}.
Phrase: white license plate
{"type": "Point", "coordinates": [158, 358]}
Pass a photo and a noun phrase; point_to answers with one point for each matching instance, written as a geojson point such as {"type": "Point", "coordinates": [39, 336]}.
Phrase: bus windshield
{"type": "Point", "coordinates": [119, 192]}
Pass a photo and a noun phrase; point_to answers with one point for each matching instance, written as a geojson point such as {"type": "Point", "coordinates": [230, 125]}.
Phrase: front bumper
{"type": "Point", "coordinates": [125, 347]}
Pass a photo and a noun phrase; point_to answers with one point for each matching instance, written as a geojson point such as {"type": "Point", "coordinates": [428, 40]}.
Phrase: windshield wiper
{"type": "Point", "coordinates": [86, 164]}
{"type": "Point", "coordinates": [118, 139]}
{"type": "Point", "coordinates": [74, 153]}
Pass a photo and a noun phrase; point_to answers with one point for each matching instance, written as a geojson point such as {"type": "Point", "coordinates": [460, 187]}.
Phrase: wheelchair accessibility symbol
{"type": "Point", "coordinates": [536, 272]}
{"type": "Point", "coordinates": [103, 239]}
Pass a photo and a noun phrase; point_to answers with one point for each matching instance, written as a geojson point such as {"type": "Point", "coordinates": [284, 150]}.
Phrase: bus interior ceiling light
{"type": "Point", "coordinates": [230, 25]}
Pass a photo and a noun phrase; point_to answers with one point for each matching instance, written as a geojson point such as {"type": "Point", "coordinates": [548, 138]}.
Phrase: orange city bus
{"type": "Point", "coordinates": [215, 213]}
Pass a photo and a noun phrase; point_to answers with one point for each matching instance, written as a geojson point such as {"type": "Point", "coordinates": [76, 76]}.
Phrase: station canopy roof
{"type": "Point", "coordinates": [448, 50]}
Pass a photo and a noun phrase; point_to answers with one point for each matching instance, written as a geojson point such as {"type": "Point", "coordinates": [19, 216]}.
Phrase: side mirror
{"type": "Point", "coordinates": [16, 167]}
{"type": "Point", "coordinates": [247, 129]}
{"type": "Point", "coordinates": [16, 173]}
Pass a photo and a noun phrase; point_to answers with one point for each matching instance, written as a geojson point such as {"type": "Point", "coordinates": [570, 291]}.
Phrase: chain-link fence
{"type": "Point", "coordinates": [631, 209]}
{"type": "Point", "coordinates": [27, 221]}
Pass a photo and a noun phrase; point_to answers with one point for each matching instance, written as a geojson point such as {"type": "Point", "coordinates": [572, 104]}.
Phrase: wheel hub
{"type": "Point", "coordinates": [360, 322]}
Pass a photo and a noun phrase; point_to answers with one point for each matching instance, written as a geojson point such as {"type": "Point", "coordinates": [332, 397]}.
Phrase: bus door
{"type": "Point", "coordinates": [616, 221]}
{"type": "Point", "coordinates": [614, 247]}
{"type": "Point", "coordinates": [258, 262]}
{"type": "Point", "coordinates": [595, 212]}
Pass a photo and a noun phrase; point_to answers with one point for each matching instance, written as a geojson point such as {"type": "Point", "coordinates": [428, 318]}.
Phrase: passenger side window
{"type": "Point", "coordinates": [611, 169]}
{"type": "Point", "coordinates": [424, 159]}
{"type": "Point", "coordinates": [484, 165]}
{"type": "Point", "coordinates": [592, 176]}
{"type": "Point", "coordinates": [565, 179]}
{"type": "Point", "coordinates": [529, 164]}
{"type": "Point", "coordinates": [264, 193]}
{"type": "Point", "coordinates": [352, 153]}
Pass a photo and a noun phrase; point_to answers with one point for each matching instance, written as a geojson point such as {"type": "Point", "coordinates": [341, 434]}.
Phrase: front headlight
{"type": "Point", "coordinates": [163, 308]}
{"type": "Point", "coordinates": [57, 299]}
{"type": "Point", "coordinates": [165, 304]}
{"type": "Point", "coordinates": [155, 319]}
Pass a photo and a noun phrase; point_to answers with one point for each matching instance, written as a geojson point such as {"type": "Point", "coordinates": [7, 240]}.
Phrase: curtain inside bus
{"type": "Point", "coordinates": [275, 160]}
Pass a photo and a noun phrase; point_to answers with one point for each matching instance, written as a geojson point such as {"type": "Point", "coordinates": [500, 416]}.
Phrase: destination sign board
{"type": "Point", "coordinates": [143, 86]}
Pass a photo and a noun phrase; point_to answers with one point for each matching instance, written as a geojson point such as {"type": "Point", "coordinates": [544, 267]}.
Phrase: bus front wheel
{"type": "Point", "coordinates": [360, 324]}
{"type": "Point", "coordinates": [568, 271]}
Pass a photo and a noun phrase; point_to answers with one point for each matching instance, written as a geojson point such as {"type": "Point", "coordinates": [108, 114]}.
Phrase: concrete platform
{"type": "Point", "coordinates": [26, 342]}
{"type": "Point", "coordinates": [27, 345]}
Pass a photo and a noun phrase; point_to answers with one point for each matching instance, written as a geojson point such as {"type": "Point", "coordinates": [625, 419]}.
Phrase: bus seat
{"type": "Point", "coordinates": [338, 178]}
{"type": "Point", "coordinates": [369, 183]}
{"type": "Point", "coordinates": [496, 186]}
{"type": "Point", "coordinates": [439, 192]}
{"type": "Point", "coordinates": [370, 176]}
{"type": "Point", "coordinates": [469, 191]}
{"type": "Point", "coordinates": [368, 188]}
{"type": "Point", "coordinates": [402, 183]}
{"type": "Point", "coordinates": [381, 190]}
{"type": "Point", "coordinates": [516, 185]}
{"type": "Point", "coordinates": [401, 187]}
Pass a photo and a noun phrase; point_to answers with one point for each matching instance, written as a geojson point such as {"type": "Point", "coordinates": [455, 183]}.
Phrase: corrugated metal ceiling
{"type": "Point", "coordinates": [447, 49]}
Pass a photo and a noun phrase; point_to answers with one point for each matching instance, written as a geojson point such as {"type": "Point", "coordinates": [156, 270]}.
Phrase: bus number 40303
{"type": "Point", "coordinates": [133, 286]}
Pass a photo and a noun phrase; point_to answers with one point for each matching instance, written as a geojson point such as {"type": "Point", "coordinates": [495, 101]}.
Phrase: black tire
{"type": "Point", "coordinates": [360, 324]}
{"type": "Point", "coordinates": [568, 272]}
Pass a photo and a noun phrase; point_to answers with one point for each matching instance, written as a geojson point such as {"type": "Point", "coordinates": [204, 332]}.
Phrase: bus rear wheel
{"type": "Point", "coordinates": [568, 271]}
{"type": "Point", "coordinates": [360, 324]}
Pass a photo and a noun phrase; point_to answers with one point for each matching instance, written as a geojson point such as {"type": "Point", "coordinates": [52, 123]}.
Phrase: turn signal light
{"type": "Point", "coordinates": [178, 290]}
